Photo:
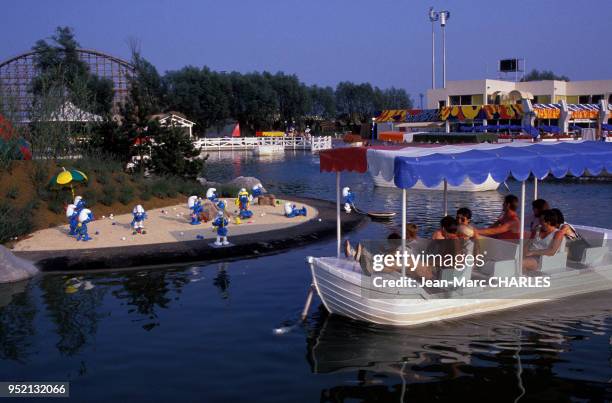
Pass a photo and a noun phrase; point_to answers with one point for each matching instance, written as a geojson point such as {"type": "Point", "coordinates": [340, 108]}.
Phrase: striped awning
{"type": "Point", "coordinates": [577, 111]}
{"type": "Point", "coordinates": [408, 115]}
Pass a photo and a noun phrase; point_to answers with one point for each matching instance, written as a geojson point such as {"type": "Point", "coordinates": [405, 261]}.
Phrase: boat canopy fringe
{"type": "Point", "coordinates": [539, 160]}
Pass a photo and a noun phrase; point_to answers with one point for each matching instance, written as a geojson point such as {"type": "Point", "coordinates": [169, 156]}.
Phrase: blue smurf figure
{"type": "Point", "coordinates": [243, 201]}
{"type": "Point", "coordinates": [140, 215]}
{"type": "Point", "coordinates": [349, 199]}
{"type": "Point", "coordinates": [221, 205]}
{"type": "Point", "coordinates": [80, 203]}
{"type": "Point", "coordinates": [257, 190]}
{"type": "Point", "coordinates": [292, 211]}
{"type": "Point", "coordinates": [85, 217]}
{"type": "Point", "coordinates": [73, 218]}
{"type": "Point", "coordinates": [221, 223]}
{"type": "Point", "coordinates": [195, 205]}
{"type": "Point", "coordinates": [211, 194]}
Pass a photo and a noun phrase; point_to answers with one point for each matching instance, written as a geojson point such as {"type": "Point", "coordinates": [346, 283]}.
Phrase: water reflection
{"type": "Point", "coordinates": [525, 353]}
{"type": "Point", "coordinates": [17, 314]}
{"type": "Point", "coordinates": [146, 291]}
{"type": "Point", "coordinates": [75, 315]}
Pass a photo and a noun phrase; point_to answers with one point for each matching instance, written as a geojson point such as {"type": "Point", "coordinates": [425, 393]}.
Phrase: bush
{"type": "Point", "coordinates": [109, 194]}
{"type": "Point", "coordinates": [91, 197]}
{"type": "Point", "coordinates": [163, 187]}
{"type": "Point", "coordinates": [12, 192]}
{"type": "Point", "coordinates": [15, 222]}
{"type": "Point", "coordinates": [121, 179]}
{"type": "Point", "coordinates": [40, 176]}
{"type": "Point", "coordinates": [126, 195]}
{"type": "Point", "coordinates": [103, 178]}
{"type": "Point", "coordinates": [227, 190]}
{"type": "Point", "coordinates": [56, 206]}
{"type": "Point", "coordinates": [146, 194]}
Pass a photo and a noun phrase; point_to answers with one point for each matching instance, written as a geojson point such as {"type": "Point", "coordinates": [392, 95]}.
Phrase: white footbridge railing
{"type": "Point", "coordinates": [313, 143]}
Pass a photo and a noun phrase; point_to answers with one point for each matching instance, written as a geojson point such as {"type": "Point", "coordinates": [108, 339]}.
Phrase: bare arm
{"type": "Point", "coordinates": [552, 249]}
{"type": "Point", "coordinates": [498, 229]}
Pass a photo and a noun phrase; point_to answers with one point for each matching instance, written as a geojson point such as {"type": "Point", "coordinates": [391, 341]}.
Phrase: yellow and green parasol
{"type": "Point", "coordinates": [67, 177]}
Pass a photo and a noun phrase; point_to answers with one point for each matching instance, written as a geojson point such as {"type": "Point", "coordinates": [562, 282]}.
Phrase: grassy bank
{"type": "Point", "coordinates": [28, 203]}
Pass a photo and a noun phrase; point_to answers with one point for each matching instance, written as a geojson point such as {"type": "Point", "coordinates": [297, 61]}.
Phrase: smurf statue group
{"type": "Point", "coordinates": [78, 218]}
{"type": "Point", "coordinates": [140, 215]}
{"type": "Point", "coordinates": [349, 199]}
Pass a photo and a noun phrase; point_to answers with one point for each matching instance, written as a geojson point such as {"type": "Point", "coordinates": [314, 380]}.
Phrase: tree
{"type": "Point", "coordinates": [61, 69]}
{"type": "Point", "coordinates": [291, 96]}
{"type": "Point", "coordinates": [172, 152]}
{"type": "Point", "coordinates": [201, 94]}
{"type": "Point", "coordinates": [536, 75]}
{"type": "Point", "coordinates": [322, 102]}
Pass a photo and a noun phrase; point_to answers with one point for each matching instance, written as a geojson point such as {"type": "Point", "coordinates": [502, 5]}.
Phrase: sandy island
{"type": "Point", "coordinates": [164, 225]}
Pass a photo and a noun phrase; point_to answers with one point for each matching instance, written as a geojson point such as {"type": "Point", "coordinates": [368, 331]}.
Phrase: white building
{"type": "Point", "coordinates": [481, 92]}
{"type": "Point", "coordinates": [175, 119]}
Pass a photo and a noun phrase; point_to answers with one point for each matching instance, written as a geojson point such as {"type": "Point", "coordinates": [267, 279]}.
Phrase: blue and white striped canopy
{"type": "Point", "coordinates": [539, 160]}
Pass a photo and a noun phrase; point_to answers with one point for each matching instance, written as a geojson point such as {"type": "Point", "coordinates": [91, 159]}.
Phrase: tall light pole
{"type": "Point", "coordinates": [444, 16]}
{"type": "Point", "coordinates": [433, 17]}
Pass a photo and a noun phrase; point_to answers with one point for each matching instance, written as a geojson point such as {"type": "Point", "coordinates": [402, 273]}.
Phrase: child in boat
{"type": "Point", "coordinates": [447, 230]}
{"type": "Point", "coordinates": [548, 240]}
{"type": "Point", "coordinates": [568, 231]}
{"type": "Point", "coordinates": [508, 225]}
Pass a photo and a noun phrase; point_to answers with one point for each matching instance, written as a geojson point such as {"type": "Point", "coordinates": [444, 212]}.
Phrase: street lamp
{"type": "Point", "coordinates": [433, 17]}
{"type": "Point", "coordinates": [444, 16]}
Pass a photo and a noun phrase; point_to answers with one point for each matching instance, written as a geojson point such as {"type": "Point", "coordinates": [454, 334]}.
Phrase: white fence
{"type": "Point", "coordinates": [314, 143]}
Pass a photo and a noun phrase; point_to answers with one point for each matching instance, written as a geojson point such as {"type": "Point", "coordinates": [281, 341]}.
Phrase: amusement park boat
{"type": "Point", "coordinates": [269, 149]}
{"type": "Point", "coordinates": [346, 289]}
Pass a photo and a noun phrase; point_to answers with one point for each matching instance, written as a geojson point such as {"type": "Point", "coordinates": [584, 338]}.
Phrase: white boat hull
{"type": "Point", "coordinates": [341, 287]}
{"type": "Point", "coordinates": [269, 149]}
{"type": "Point", "coordinates": [466, 186]}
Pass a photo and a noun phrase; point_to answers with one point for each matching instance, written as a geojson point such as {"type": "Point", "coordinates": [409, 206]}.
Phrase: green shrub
{"type": "Point", "coordinates": [56, 206]}
{"type": "Point", "coordinates": [126, 195]}
{"type": "Point", "coordinates": [91, 197]}
{"type": "Point", "coordinates": [121, 178]}
{"type": "Point", "coordinates": [12, 192]}
{"type": "Point", "coordinates": [40, 176]}
{"type": "Point", "coordinates": [103, 178]}
{"type": "Point", "coordinates": [226, 190]}
{"type": "Point", "coordinates": [146, 194]}
{"type": "Point", "coordinates": [109, 194]}
{"type": "Point", "coordinates": [14, 221]}
{"type": "Point", "coordinates": [163, 188]}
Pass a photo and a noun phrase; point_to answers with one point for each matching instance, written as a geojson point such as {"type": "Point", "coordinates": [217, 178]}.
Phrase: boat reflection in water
{"type": "Point", "coordinates": [545, 351]}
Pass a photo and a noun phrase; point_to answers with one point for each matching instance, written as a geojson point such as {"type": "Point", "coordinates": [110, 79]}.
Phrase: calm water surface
{"type": "Point", "coordinates": [229, 331]}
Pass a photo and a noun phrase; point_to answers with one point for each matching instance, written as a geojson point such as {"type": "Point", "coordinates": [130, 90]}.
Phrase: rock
{"type": "Point", "coordinates": [246, 182]}
{"type": "Point", "coordinates": [13, 268]}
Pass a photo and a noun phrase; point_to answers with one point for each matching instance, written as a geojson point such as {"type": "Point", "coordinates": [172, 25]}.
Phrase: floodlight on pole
{"type": "Point", "coordinates": [433, 17]}
{"type": "Point", "coordinates": [444, 17]}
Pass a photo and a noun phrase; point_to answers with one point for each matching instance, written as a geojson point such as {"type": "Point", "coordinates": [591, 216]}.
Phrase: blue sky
{"type": "Point", "coordinates": [385, 42]}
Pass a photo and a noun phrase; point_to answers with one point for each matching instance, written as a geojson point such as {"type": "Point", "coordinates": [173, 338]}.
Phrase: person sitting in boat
{"type": "Point", "coordinates": [85, 217]}
{"type": "Point", "coordinates": [73, 218]}
{"type": "Point", "coordinates": [349, 199]}
{"type": "Point", "coordinates": [194, 203]}
{"type": "Point", "coordinates": [243, 202]}
{"type": "Point", "coordinates": [447, 230]}
{"type": "Point", "coordinates": [548, 240]}
{"type": "Point", "coordinates": [211, 194]}
{"type": "Point", "coordinates": [220, 224]}
{"type": "Point", "coordinates": [567, 229]}
{"type": "Point", "coordinates": [537, 206]}
{"type": "Point", "coordinates": [140, 215]}
{"type": "Point", "coordinates": [508, 225]}
{"type": "Point", "coordinates": [291, 210]}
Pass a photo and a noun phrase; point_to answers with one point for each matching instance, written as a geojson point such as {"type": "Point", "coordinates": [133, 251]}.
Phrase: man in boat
{"type": "Point", "coordinates": [508, 225]}
{"type": "Point", "coordinates": [537, 207]}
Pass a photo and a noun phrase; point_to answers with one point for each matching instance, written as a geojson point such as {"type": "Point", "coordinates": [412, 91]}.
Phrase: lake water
{"type": "Point", "coordinates": [230, 331]}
